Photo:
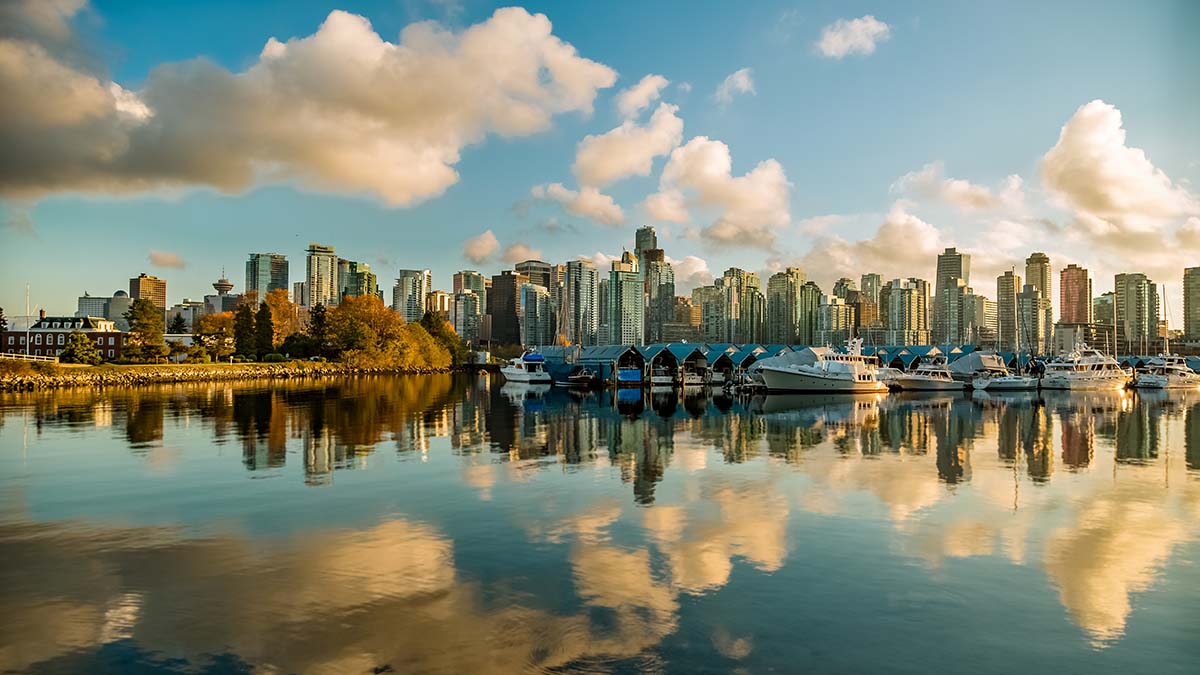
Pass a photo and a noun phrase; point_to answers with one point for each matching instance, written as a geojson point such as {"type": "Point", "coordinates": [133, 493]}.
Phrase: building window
{"type": "Point", "coordinates": [10, 339]}
{"type": "Point", "coordinates": [110, 352]}
{"type": "Point", "coordinates": [22, 340]}
{"type": "Point", "coordinates": [37, 339]}
{"type": "Point", "coordinates": [37, 352]}
{"type": "Point", "coordinates": [62, 338]}
{"type": "Point", "coordinates": [110, 341]}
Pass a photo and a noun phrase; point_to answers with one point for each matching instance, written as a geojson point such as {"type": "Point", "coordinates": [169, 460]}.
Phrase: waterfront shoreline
{"type": "Point", "coordinates": [60, 377]}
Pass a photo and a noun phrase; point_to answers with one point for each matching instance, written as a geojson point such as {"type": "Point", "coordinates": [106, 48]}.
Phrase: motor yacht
{"type": "Point", "coordinates": [530, 368]}
{"type": "Point", "coordinates": [1006, 381]}
{"type": "Point", "coordinates": [1084, 368]}
{"type": "Point", "coordinates": [1167, 371]}
{"type": "Point", "coordinates": [822, 369]}
{"type": "Point", "coordinates": [932, 374]}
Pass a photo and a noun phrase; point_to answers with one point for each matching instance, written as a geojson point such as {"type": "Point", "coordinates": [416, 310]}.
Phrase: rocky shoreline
{"type": "Point", "coordinates": [131, 376]}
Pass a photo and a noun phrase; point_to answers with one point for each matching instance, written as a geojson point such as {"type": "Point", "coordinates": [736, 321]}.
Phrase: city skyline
{"type": "Point", "coordinates": [837, 191]}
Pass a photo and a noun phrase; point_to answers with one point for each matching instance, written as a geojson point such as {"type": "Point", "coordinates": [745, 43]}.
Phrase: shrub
{"type": "Point", "coordinates": [274, 357]}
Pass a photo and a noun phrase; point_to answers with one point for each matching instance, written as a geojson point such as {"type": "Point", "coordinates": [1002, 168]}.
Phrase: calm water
{"type": "Point", "coordinates": [440, 524]}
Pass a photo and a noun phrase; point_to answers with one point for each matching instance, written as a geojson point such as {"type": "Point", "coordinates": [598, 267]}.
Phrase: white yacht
{"type": "Point", "coordinates": [932, 374]}
{"type": "Point", "coordinates": [1167, 371]}
{"type": "Point", "coordinates": [1004, 382]}
{"type": "Point", "coordinates": [661, 377]}
{"type": "Point", "coordinates": [822, 369]}
{"type": "Point", "coordinates": [1084, 369]}
{"type": "Point", "coordinates": [530, 367]}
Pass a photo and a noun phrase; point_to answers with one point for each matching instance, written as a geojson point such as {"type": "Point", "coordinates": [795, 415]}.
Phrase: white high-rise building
{"type": "Point", "coordinates": [408, 295]}
{"type": "Point", "coordinates": [626, 302]}
{"type": "Point", "coordinates": [321, 280]}
{"type": "Point", "coordinates": [581, 295]}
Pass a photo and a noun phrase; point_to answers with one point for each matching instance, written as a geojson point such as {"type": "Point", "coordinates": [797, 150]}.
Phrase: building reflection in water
{"type": "Point", "coordinates": [1104, 529]}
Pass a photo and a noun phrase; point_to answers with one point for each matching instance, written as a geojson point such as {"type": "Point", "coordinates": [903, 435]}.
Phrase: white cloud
{"type": "Point", "coordinates": [480, 248]}
{"type": "Point", "coordinates": [930, 182]}
{"type": "Point", "coordinates": [902, 246]}
{"type": "Point", "coordinates": [690, 272]}
{"type": "Point", "coordinates": [166, 259]}
{"type": "Point", "coordinates": [516, 253]}
{"type": "Point", "coordinates": [632, 101]}
{"type": "Point", "coordinates": [340, 110]}
{"type": "Point", "coordinates": [685, 87]}
{"type": "Point", "coordinates": [855, 36]}
{"type": "Point", "coordinates": [668, 206]}
{"type": "Point", "coordinates": [817, 224]}
{"type": "Point", "coordinates": [629, 149]}
{"type": "Point", "coordinates": [749, 208]}
{"type": "Point", "coordinates": [587, 202]}
{"type": "Point", "coordinates": [739, 82]}
{"type": "Point", "coordinates": [1117, 194]}
{"type": "Point", "coordinates": [601, 260]}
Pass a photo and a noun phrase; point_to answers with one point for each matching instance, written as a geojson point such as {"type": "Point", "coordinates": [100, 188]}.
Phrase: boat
{"type": "Point", "coordinates": [530, 368]}
{"type": "Point", "coordinates": [692, 379]}
{"type": "Point", "coordinates": [1167, 371]}
{"type": "Point", "coordinates": [932, 374]}
{"type": "Point", "coordinates": [1004, 382]}
{"type": "Point", "coordinates": [1084, 369]}
{"type": "Point", "coordinates": [580, 378]}
{"type": "Point", "coordinates": [661, 377]}
{"type": "Point", "coordinates": [823, 370]}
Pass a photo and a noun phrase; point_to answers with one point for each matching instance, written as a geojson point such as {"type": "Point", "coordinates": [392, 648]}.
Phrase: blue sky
{"type": "Point", "coordinates": [967, 92]}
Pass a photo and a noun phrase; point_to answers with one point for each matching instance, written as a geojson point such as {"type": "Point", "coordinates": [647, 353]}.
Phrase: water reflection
{"type": "Point", "coordinates": [567, 531]}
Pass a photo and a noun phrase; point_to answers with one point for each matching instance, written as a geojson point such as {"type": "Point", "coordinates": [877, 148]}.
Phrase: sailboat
{"type": "Point", "coordinates": [1167, 371]}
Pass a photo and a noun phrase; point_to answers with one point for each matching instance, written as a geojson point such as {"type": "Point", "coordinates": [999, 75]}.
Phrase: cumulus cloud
{"type": "Point", "coordinates": [629, 149]}
{"type": "Point", "coordinates": [600, 259]}
{"type": "Point", "coordinates": [632, 101]}
{"type": "Point", "coordinates": [749, 208]}
{"type": "Point", "coordinates": [930, 182]}
{"type": "Point", "coordinates": [690, 272]}
{"type": "Point", "coordinates": [1117, 194]}
{"type": "Point", "coordinates": [480, 248]}
{"type": "Point", "coordinates": [667, 206]}
{"type": "Point", "coordinates": [341, 110]}
{"type": "Point", "coordinates": [587, 202]}
{"type": "Point", "coordinates": [902, 246]}
{"type": "Point", "coordinates": [516, 253]}
{"type": "Point", "coordinates": [855, 36]}
{"type": "Point", "coordinates": [739, 82]}
{"type": "Point", "coordinates": [166, 259]}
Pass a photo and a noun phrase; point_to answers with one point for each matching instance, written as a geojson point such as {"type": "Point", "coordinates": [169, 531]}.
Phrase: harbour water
{"type": "Point", "coordinates": [448, 524]}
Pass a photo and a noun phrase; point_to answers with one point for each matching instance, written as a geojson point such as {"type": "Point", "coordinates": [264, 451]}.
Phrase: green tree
{"type": "Point", "coordinates": [3, 321]}
{"type": "Point", "coordinates": [441, 331]}
{"type": "Point", "coordinates": [214, 334]}
{"type": "Point", "coordinates": [79, 349]}
{"type": "Point", "coordinates": [264, 331]}
{"type": "Point", "coordinates": [318, 330]}
{"type": "Point", "coordinates": [177, 326]}
{"type": "Point", "coordinates": [244, 339]}
{"type": "Point", "coordinates": [146, 331]}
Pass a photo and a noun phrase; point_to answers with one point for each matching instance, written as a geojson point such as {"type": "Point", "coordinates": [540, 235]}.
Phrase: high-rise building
{"type": "Point", "coordinates": [952, 265]}
{"type": "Point", "coordinates": [473, 281]}
{"type": "Point", "coordinates": [783, 306]}
{"type": "Point", "coordinates": [643, 240]}
{"type": "Point", "coordinates": [536, 319]}
{"type": "Point", "coordinates": [266, 272]}
{"type": "Point", "coordinates": [1008, 286]}
{"type": "Point", "coordinates": [1037, 274]}
{"type": "Point", "coordinates": [835, 321]}
{"type": "Point", "coordinates": [503, 303]}
{"type": "Point", "coordinates": [465, 313]}
{"type": "Point", "coordinates": [539, 273]}
{"type": "Point", "coordinates": [626, 302]}
{"type": "Point", "coordinates": [842, 287]}
{"type": "Point", "coordinates": [710, 300]}
{"type": "Point", "coordinates": [870, 284]}
{"type": "Point", "coordinates": [680, 327]}
{"type": "Point", "coordinates": [579, 302]}
{"type": "Point", "coordinates": [357, 279]}
{"type": "Point", "coordinates": [905, 304]}
{"type": "Point", "coordinates": [1075, 295]}
{"type": "Point", "coordinates": [980, 320]}
{"type": "Point", "coordinates": [408, 294]}
{"type": "Point", "coordinates": [440, 303]}
{"type": "Point", "coordinates": [321, 283]}
{"type": "Point", "coordinates": [1191, 304]}
{"type": "Point", "coordinates": [1135, 306]}
{"type": "Point", "coordinates": [952, 309]}
{"type": "Point", "coordinates": [806, 313]}
{"type": "Point", "coordinates": [300, 292]}
{"type": "Point", "coordinates": [953, 274]}
{"type": "Point", "coordinates": [660, 295]}
{"type": "Point", "coordinates": [1033, 331]}
{"type": "Point", "coordinates": [149, 287]}
{"type": "Point", "coordinates": [91, 305]}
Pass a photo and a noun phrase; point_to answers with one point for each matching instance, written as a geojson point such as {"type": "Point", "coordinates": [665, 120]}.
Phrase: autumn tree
{"type": "Point", "coordinates": [214, 333]}
{"type": "Point", "coordinates": [79, 349]}
{"type": "Point", "coordinates": [444, 334]}
{"type": "Point", "coordinates": [264, 331]}
{"type": "Point", "coordinates": [283, 315]}
{"type": "Point", "coordinates": [244, 338]}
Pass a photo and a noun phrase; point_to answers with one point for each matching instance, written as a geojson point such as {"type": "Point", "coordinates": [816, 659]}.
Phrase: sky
{"type": "Point", "coordinates": [840, 137]}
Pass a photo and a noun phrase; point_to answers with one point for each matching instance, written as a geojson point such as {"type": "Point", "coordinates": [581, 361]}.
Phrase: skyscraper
{"type": "Point", "coordinates": [149, 287]}
{"type": "Point", "coordinates": [1135, 305]}
{"type": "Point", "coordinates": [537, 322]}
{"type": "Point", "coordinates": [1191, 304]}
{"type": "Point", "coordinates": [1008, 285]}
{"type": "Point", "coordinates": [843, 286]}
{"type": "Point", "coordinates": [869, 284]}
{"type": "Point", "coordinates": [1033, 331]}
{"type": "Point", "coordinates": [503, 303]}
{"type": "Point", "coordinates": [626, 302]}
{"type": "Point", "coordinates": [952, 265]}
{"type": "Point", "coordinates": [321, 283]}
{"type": "Point", "coordinates": [1075, 295]}
{"type": "Point", "coordinates": [474, 281]}
{"type": "Point", "coordinates": [835, 321]}
{"type": "Point", "coordinates": [465, 314]}
{"type": "Point", "coordinates": [660, 295]}
{"type": "Point", "coordinates": [356, 278]}
{"type": "Point", "coordinates": [643, 240]}
{"type": "Point", "coordinates": [953, 274]}
{"type": "Point", "coordinates": [905, 304]}
{"type": "Point", "coordinates": [953, 311]}
{"type": "Point", "coordinates": [579, 304]}
{"type": "Point", "coordinates": [1037, 274]}
{"type": "Point", "coordinates": [408, 295]}
{"type": "Point", "coordinates": [783, 306]}
{"type": "Point", "coordinates": [266, 272]}
{"type": "Point", "coordinates": [539, 272]}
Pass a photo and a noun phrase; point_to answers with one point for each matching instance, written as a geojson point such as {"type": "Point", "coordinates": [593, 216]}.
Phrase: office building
{"type": "Point", "coordinates": [472, 281]}
{"type": "Point", "coordinates": [580, 297]}
{"type": "Point", "coordinates": [536, 320]}
{"type": "Point", "coordinates": [1033, 330]}
{"type": "Point", "coordinates": [1135, 307]}
{"type": "Point", "coordinates": [783, 306]}
{"type": "Point", "coordinates": [660, 295]}
{"type": "Point", "coordinates": [835, 321]}
{"type": "Point", "coordinates": [1191, 304]}
{"type": "Point", "coordinates": [539, 273]}
{"type": "Point", "coordinates": [1008, 286]}
{"type": "Point", "coordinates": [870, 284]}
{"type": "Point", "coordinates": [1075, 295]}
{"type": "Point", "coordinates": [299, 290]}
{"type": "Point", "coordinates": [842, 287]}
{"type": "Point", "coordinates": [980, 321]}
{"type": "Point", "coordinates": [408, 294]}
{"type": "Point", "coordinates": [1037, 274]}
{"type": "Point", "coordinates": [149, 287]}
{"type": "Point", "coordinates": [953, 274]}
{"type": "Point", "coordinates": [626, 302]}
{"type": "Point", "coordinates": [266, 272]}
{"type": "Point", "coordinates": [503, 303]}
{"type": "Point", "coordinates": [904, 311]}
{"type": "Point", "coordinates": [465, 314]}
{"type": "Point", "coordinates": [320, 281]}
{"type": "Point", "coordinates": [952, 265]}
{"type": "Point", "coordinates": [952, 307]}
{"type": "Point", "coordinates": [357, 279]}
{"type": "Point", "coordinates": [643, 240]}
